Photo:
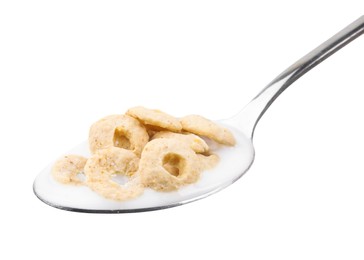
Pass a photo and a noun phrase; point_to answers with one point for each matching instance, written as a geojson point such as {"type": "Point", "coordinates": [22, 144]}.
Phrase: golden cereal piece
{"type": "Point", "coordinates": [155, 119]}
{"type": "Point", "coordinates": [118, 131]}
{"type": "Point", "coordinates": [204, 127]}
{"type": "Point", "coordinates": [66, 169]}
{"type": "Point", "coordinates": [167, 164]}
{"type": "Point", "coordinates": [106, 163]}
{"type": "Point", "coordinates": [207, 162]}
{"type": "Point", "coordinates": [196, 143]}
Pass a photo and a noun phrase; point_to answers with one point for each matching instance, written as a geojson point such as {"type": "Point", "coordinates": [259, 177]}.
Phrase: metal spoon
{"type": "Point", "coordinates": [234, 161]}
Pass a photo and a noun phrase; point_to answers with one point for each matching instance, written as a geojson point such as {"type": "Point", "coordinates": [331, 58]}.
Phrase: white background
{"type": "Point", "coordinates": [65, 64]}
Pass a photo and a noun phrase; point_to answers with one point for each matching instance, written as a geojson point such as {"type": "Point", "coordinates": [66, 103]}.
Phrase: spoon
{"type": "Point", "coordinates": [234, 161]}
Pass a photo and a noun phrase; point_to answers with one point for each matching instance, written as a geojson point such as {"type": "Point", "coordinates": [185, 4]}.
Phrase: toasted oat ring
{"type": "Point", "coordinates": [207, 162]}
{"type": "Point", "coordinates": [167, 164]}
{"type": "Point", "coordinates": [195, 142]}
{"type": "Point", "coordinates": [101, 167]}
{"type": "Point", "coordinates": [204, 127]}
{"type": "Point", "coordinates": [155, 119]}
{"type": "Point", "coordinates": [120, 131]}
{"type": "Point", "coordinates": [66, 169]}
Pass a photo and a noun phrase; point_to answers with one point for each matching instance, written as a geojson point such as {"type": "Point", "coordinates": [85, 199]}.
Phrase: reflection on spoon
{"type": "Point", "coordinates": [234, 161]}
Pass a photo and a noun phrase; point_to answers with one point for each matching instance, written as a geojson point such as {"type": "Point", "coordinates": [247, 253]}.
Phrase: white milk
{"type": "Point", "coordinates": [234, 161]}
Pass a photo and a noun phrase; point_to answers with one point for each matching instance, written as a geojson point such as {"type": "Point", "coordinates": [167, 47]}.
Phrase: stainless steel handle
{"type": "Point", "coordinates": [248, 118]}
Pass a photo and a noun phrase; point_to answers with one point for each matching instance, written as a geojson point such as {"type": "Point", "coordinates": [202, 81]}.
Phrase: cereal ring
{"type": "Point", "coordinates": [196, 143]}
{"type": "Point", "coordinates": [207, 162]}
{"type": "Point", "coordinates": [167, 164]}
{"type": "Point", "coordinates": [102, 166]}
{"type": "Point", "coordinates": [120, 131]}
{"type": "Point", "coordinates": [66, 169]}
{"type": "Point", "coordinates": [155, 119]}
{"type": "Point", "coordinates": [202, 126]}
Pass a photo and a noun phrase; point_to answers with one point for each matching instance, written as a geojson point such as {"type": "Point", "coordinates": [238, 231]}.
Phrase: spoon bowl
{"type": "Point", "coordinates": [234, 161]}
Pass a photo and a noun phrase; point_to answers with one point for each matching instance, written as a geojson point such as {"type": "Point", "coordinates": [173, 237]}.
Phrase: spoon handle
{"type": "Point", "coordinates": [248, 118]}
